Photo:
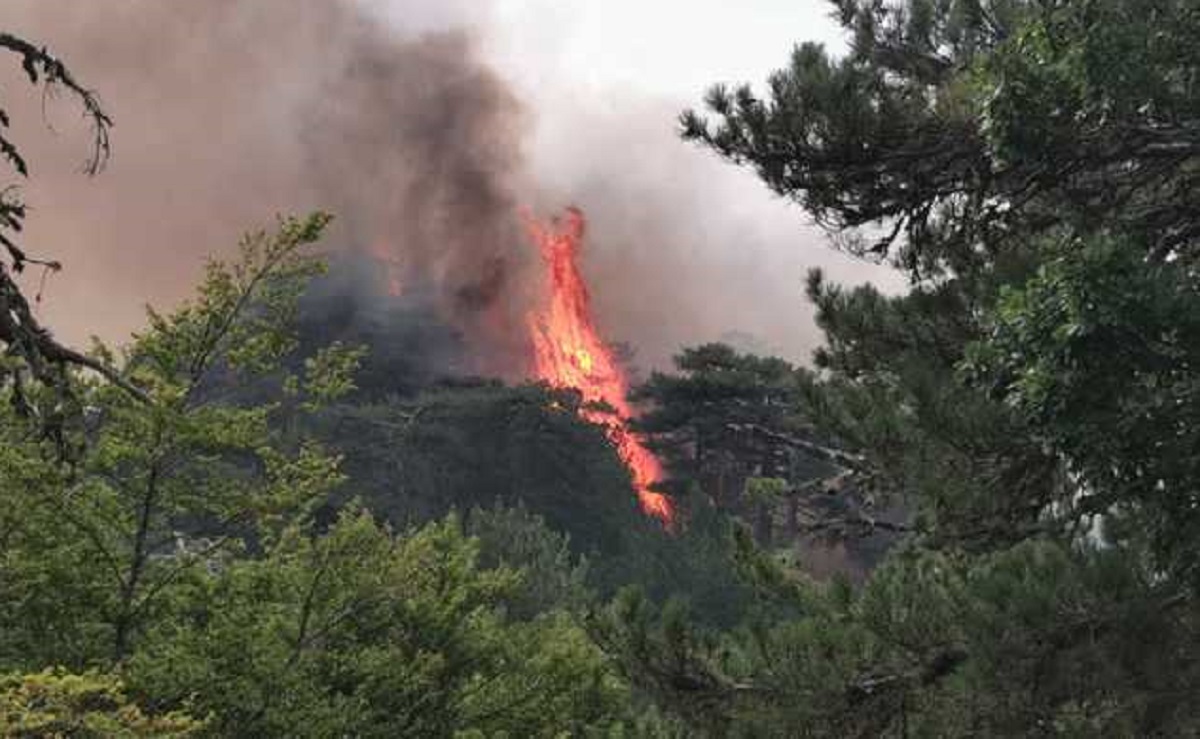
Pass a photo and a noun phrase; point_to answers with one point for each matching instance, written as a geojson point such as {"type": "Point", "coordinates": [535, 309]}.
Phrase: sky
{"type": "Point", "coordinates": [674, 48]}
{"type": "Point", "coordinates": [666, 47]}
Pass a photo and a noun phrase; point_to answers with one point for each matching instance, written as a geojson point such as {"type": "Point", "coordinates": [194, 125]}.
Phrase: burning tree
{"type": "Point", "coordinates": [568, 352]}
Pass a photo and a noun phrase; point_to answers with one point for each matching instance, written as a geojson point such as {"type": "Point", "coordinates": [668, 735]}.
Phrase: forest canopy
{"type": "Point", "coordinates": [976, 511]}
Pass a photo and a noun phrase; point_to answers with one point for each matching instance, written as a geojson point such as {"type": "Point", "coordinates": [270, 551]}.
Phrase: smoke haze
{"type": "Point", "coordinates": [407, 122]}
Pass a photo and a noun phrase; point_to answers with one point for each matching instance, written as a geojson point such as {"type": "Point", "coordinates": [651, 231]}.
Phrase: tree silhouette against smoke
{"type": "Point", "coordinates": [40, 355]}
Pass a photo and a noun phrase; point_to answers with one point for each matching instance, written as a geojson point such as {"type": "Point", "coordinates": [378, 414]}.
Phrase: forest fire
{"type": "Point", "coordinates": [569, 353]}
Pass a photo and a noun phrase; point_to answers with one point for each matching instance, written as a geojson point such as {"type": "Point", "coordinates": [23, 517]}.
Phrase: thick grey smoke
{"type": "Point", "coordinates": [389, 114]}
{"type": "Point", "coordinates": [230, 111]}
{"type": "Point", "coordinates": [417, 147]}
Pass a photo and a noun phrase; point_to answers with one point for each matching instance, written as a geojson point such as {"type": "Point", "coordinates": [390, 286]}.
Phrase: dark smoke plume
{"type": "Point", "coordinates": [231, 111]}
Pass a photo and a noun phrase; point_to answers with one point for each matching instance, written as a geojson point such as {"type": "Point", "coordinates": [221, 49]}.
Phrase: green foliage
{"type": "Point", "coordinates": [158, 490]}
{"type": "Point", "coordinates": [54, 703]}
{"type": "Point", "coordinates": [765, 489]}
{"type": "Point", "coordinates": [963, 127]}
{"type": "Point", "coordinates": [707, 419]}
{"type": "Point", "coordinates": [713, 389]}
{"type": "Point", "coordinates": [1096, 352]}
{"type": "Point", "coordinates": [179, 550]}
{"type": "Point", "coordinates": [475, 446]}
{"type": "Point", "coordinates": [363, 633]}
{"type": "Point", "coordinates": [552, 576]}
{"type": "Point", "coordinates": [328, 376]}
{"type": "Point", "coordinates": [1032, 166]}
{"type": "Point", "coordinates": [185, 547]}
{"type": "Point", "coordinates": [891, 390]}
{"type": "Point", "coordinates": [944, 645]}
{"type": "Point", "coordinates": [469, 446]}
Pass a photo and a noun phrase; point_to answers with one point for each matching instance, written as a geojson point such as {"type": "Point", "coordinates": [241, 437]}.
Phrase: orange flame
{"type": "Point", "coordinates": [569, 353]}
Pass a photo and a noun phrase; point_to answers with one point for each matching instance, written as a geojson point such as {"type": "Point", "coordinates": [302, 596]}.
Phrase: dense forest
{"type": "Point", "coordinates": [975, 512]}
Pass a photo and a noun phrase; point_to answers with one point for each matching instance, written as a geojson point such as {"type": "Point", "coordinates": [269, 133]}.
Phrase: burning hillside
{"type": "Point", "coordinates": [557, 342]}
{"type": "Point", "coordinates": [568, 352]}
{"type": "Point", "coordinates": [421, 148]}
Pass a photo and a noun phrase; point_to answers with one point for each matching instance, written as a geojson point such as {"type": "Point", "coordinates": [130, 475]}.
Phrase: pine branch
{"type": "Point", "coordinates": [829, 454]}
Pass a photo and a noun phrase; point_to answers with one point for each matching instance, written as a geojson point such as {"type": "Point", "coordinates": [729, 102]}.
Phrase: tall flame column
{"type": "Point", "coordinates": [568, 352]}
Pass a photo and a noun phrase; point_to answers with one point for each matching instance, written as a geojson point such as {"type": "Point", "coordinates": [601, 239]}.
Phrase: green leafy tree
{"type": "Point", "coordinates": [1096, 354]}
{"type": "Point", "coordinates": [177, 545]}
{"type": "Point", "coordinates": [364, 633]}
{"type": "Point", "coordinates": [553, 576]}
{"type": "Point", "coordinates": [54, 703]}
{"type": "Point", "coordinates": [161, 487]}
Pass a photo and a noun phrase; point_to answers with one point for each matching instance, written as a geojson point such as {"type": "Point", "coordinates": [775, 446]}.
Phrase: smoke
{"type": "Point", "coordinates": [417, 147]}
{"type": "Point", "coordinates": [683, 248]}
{"type": "Point", "coordinates": [392, 115]}
{"type": "Point", "coordinates": [229, 112]}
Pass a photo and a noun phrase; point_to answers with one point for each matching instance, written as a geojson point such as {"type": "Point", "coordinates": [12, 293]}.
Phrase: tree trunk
{"type": "Point", "coordinates": [124, 625]}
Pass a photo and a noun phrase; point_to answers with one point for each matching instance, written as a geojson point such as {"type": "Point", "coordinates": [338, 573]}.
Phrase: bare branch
{"type": "Point", "coordinates": [40, 64]}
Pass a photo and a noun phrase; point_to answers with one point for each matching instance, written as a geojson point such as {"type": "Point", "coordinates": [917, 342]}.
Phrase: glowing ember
{"type": "Point", "coordinates": [569, 353]}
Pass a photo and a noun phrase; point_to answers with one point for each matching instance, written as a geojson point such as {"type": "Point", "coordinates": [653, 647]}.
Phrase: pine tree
{"type": "Point", "coordinates": [1031, 166]}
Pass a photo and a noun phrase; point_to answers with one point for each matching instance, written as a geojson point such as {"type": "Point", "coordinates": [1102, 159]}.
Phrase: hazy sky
{"type": "Point", "coordinates": [665, 47]}
{"type": "Point", "coordinates": [674, 47]}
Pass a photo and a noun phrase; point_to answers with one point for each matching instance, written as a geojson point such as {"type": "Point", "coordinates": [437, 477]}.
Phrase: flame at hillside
{"type": "Point", "coordinates": [569, 353]}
